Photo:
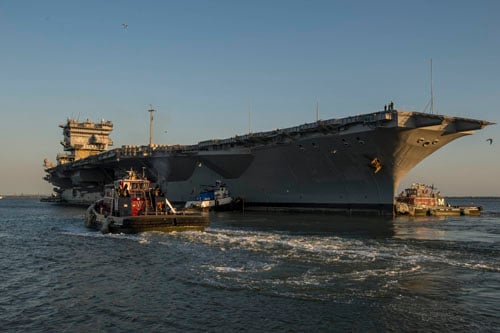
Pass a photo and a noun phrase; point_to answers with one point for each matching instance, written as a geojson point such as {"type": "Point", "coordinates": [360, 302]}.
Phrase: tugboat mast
{"type": "Point", "coordinates": [151, 110]}
{"type": "Point", "coordinates": [432, 92]}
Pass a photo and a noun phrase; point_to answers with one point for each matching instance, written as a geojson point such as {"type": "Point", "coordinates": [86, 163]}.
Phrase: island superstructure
{"type": "Point", "coordinates": [352, 164]}
{"type": "Point", "coordinates": [81, 140]}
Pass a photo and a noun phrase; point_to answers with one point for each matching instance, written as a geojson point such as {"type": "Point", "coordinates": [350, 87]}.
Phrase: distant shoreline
{"type": "Point", "coordinates": [472, 197]}
{"type": "Point", "coordinates": [24, 195]}
{"type": "Point", "coordinates": [448, 197]}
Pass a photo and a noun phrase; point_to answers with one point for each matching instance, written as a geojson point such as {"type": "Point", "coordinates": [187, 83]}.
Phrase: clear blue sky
{"type": "Point", "coordinates": [201, 63]}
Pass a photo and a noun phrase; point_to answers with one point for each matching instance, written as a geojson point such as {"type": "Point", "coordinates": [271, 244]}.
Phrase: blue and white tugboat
{"type": "Point", "coordinates": [214, 197]}
{"type": "Point", "coordinates": [131, 205]}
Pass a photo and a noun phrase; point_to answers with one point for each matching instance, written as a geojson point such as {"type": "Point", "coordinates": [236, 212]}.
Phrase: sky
{"type": "Point", "coordinates": [214, 69]}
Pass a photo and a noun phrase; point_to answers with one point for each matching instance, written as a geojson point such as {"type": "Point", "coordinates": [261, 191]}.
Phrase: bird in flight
{"type": "Point", "coordinates": [124, 25]}
{"type": "Point", "coordinates": [490, 140]}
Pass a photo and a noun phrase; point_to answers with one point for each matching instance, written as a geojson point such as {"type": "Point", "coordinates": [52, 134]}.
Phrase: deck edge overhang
{"type": "Point", "coordinates": [449, 124]}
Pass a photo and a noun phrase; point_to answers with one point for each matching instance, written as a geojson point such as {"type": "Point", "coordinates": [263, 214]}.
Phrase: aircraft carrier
{"type": "Point", "coordinates": [349, 165]}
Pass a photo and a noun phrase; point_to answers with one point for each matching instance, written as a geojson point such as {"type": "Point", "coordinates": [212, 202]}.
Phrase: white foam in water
{"type": "Point", "coordinates": [97, 234]}
{"type": "Point", "coordinates": [359, 260]}
{"type": "Point", "coordinates": [317, 252]}
{"type": "Point", "coordinates": [323, 249]}
{"type": "Point", "coordinates": [144, 240]}
{"type": "Point", "coordinates": [227, 269]}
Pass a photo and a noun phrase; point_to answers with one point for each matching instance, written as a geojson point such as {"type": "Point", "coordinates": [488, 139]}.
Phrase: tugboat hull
{"type": "Point", "coordinates": [185, 221]}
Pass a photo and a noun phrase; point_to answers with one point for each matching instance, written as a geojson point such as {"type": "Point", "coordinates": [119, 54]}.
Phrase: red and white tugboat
{"type": "Point", "coordinates": [424, 200]}
{"type": "Point", "coordinates": [130, 205]}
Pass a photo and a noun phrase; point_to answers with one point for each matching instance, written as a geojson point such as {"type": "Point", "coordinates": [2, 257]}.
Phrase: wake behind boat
{"type": "Point", "coordinates": [130, 205]}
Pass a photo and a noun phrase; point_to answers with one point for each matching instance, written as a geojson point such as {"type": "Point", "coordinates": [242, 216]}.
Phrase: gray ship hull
{"type": "Point", "coordinates": [351, 165]}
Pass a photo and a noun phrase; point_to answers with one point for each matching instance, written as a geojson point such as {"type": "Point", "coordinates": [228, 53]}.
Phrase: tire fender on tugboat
{"type": "Point", "coordinates": [90, 217]}
{"type": "Point", "coordinates": [105, 226]}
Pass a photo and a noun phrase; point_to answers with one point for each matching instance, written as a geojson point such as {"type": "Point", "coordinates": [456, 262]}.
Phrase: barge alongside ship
{"type": "Point", "coordinates": [348, 165]}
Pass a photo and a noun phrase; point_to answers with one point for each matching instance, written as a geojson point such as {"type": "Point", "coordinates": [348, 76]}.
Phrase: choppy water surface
{"type": "Point", "coordinates": [250, 272]}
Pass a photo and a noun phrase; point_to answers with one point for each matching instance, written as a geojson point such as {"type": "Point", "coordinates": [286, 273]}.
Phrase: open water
{"type": "Point", "coordinates": [250, 272]}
